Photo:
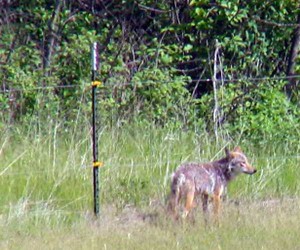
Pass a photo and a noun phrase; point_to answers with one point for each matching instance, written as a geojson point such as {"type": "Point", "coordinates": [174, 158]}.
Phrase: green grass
{"type": "Point", "coordinates": [46, 192]}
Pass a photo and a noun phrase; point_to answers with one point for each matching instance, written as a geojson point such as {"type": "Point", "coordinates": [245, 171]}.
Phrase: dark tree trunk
{"type": "Point", "coordinates": [51, 37]}
{"type": "Point", "coordinates": [294, 52]}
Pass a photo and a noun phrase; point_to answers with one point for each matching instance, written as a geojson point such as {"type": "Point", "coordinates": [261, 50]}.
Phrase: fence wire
{"type": "Point", "coordinates": [76, 86]}
{"type": "Point", "coordinates": [111, 166]}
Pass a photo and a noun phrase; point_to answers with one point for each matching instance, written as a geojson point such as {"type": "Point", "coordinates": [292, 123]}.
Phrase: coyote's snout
{"type": "Point", "coordinates": [208, 180]}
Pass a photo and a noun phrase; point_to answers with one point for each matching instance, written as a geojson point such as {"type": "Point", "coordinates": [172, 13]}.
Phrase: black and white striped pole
{"type": "Point", "coordinates": [96, 162]}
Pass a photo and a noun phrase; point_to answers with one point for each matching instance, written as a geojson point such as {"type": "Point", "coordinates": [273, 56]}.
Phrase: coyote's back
{"type": "Point", "coordinates": [207, 180]}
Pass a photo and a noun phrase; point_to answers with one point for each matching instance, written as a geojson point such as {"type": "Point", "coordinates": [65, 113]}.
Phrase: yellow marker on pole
{"type": "Point", "coordinates": [96, 83]}
{"type": "Point", "coordinates": [98, 164]}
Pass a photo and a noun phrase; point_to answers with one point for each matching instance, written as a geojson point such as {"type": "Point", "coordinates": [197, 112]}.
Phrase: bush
{"type": "Point", "coordinates": [256, 111]}
{"type": "Point", "coordinates": [153, 96]}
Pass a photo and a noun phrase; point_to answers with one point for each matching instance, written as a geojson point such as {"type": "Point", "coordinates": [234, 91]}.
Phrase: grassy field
{"type": "Point", "coordinates": [47, 203]}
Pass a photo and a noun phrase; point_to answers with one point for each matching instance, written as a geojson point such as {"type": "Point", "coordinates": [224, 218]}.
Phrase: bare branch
{"type": "Point", "coordinates": [153, 9]}
{"type": "Point", "coordinates": [272, 23]}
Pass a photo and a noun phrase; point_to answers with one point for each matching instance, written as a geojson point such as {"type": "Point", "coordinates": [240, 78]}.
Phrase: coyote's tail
{"type": "Point", "coordinates": [174, 197]}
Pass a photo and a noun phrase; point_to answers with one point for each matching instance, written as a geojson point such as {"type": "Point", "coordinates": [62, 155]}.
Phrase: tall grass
{"type": "Point", "coordinates": [46, 190]}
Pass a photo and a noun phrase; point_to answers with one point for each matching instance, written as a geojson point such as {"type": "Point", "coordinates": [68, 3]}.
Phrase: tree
{"type": "Point", "coordinates": [293, 56]}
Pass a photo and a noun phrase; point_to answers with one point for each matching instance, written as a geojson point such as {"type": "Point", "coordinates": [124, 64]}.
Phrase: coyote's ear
{"type": "Point", "coordinates": [237, 149]}
{"type": "Point", "coordinates": [227, 152]}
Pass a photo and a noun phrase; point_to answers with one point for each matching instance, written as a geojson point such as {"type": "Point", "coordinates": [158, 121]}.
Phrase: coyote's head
{"type": "Point", "coordinates": [238, 162]}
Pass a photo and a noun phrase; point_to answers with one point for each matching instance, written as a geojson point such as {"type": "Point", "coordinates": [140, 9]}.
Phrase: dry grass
{"type": "Point", "coordinates": [269, 224]}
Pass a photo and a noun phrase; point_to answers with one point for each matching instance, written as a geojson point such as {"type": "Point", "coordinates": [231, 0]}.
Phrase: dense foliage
{"type": "Point", "coordinates": [171, 62]}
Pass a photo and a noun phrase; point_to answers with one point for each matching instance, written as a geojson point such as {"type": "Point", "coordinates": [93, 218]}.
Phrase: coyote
{"type": "Point", "coordinates": [207, 180]}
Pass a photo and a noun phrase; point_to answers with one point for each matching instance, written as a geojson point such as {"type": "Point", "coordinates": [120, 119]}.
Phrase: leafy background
{"type": "Point", "coordinates": [154, 57]}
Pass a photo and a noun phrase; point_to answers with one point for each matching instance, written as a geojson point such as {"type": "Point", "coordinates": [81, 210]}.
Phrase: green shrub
{"type": "Point", "coordinates": [153, 96]}
{"type": "Point", "coordinates": [255, 111]}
